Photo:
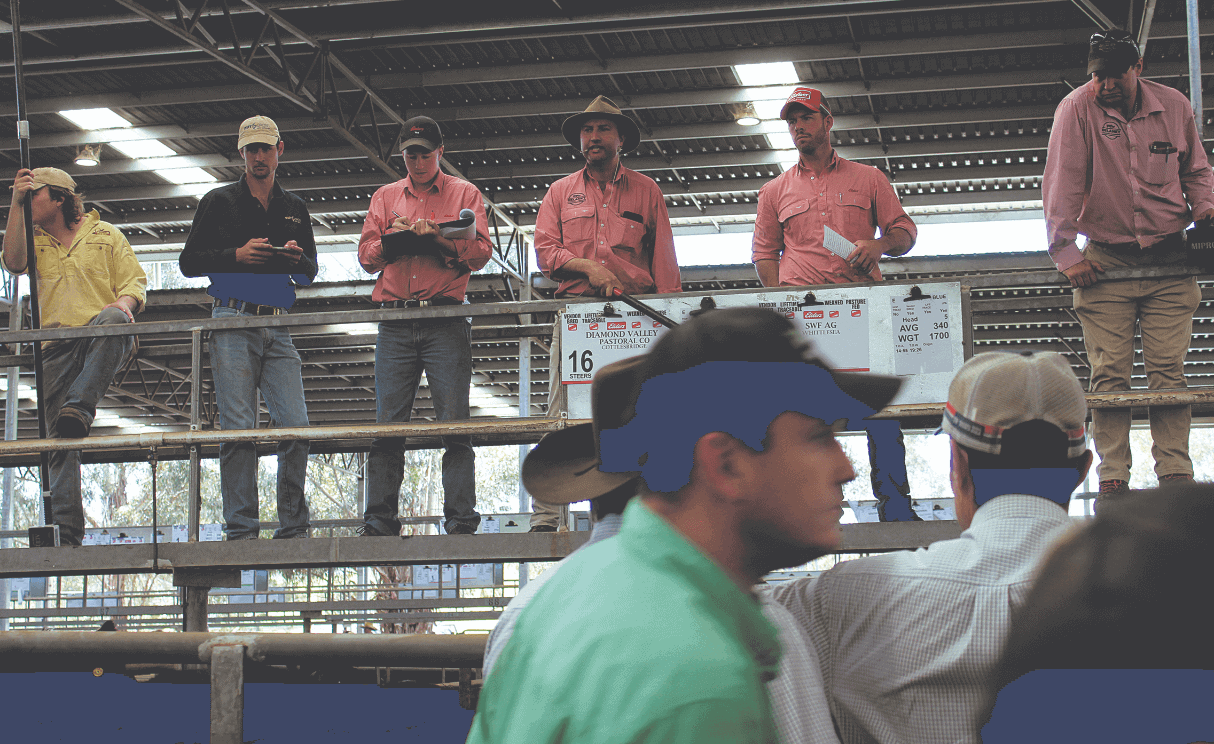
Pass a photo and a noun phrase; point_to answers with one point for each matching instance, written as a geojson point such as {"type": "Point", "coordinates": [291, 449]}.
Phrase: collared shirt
{"type": "Point", "coordinates": [625, 227]}
{"type": "Point", "coordinates": [796, 206]}
{"type": "Point", "coordinates": [666, 649]}
{"type": "Point", "coordinates": [907, 641]}
{"type": "Point", "coordinates": [76, 281]}
{"type": "Point", "coordinates": [1103, 180]}
{"type": "Point", "coordinates": [798, 700]}
{"type": "Point", "coordinates": [608, 526]}
{"type": "Point", "coordinates": [230, 216]}
{"type": "Point", "coordinates": [424, 277]}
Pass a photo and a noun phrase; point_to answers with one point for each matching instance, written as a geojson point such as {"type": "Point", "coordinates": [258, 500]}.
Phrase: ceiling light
{"type": "Point", "coordinates": [767, 73]}
{"type": "Point", "coordinates": [96, 118]}
{"type": "Point", "coordinates": [145, 148]}
{"type": "Point", "coordinates": [746, 115]}
{"type": "Point", "coordinates": [185, 175]}
{"type": "Point", "coordinates": [89, 155]}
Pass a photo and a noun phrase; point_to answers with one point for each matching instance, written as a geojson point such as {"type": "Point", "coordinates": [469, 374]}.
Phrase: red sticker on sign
{"type": "Point", "coordinates": [656, 324]}
{"type": "Point", "coordinates": [636, 324]}
{"type": "Point", "coordinates": [855, 313]}
{"type": "Point", "coordinates": [573, 326]}
{"type": "Point", "coordinates": [616, 326]}
{"type": "Point", "coordinates": [812, 314]}
{"type": "Point", "coordinates": [834, 313]}
{"type": "Point", "coordinates": [594, 326]}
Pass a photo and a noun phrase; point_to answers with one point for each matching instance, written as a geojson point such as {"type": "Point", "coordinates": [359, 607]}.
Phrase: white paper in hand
{"type": "Point", "coordinates": [836, 243]}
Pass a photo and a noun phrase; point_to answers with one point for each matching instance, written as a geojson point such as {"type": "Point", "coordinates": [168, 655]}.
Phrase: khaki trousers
{"type": "Point", "coordinates": [552, 515]}
{"type": "Point", "coordinates": [1164, 309]}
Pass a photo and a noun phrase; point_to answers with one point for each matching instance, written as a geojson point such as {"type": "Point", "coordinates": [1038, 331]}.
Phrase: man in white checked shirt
{"type": "Point", "coordinates": [907, 641]}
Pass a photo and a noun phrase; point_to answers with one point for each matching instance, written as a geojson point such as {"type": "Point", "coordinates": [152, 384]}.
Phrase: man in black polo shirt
{"type": "Point", "coordinates": [253, 239]}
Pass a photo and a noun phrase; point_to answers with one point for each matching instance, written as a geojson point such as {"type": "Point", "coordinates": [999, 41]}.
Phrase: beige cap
{"type": "Point", "coordinates": [52, 177]}
{"type": "Point", "coordinates": [258, 129]}
{"type": "Point", "coordinates": [995, 391]}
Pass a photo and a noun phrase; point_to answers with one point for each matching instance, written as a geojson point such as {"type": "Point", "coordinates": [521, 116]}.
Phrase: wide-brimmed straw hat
{"type": "Point", "coordinates": [602, 108]}
{"type": "Point", "coordinates": [564, 466]}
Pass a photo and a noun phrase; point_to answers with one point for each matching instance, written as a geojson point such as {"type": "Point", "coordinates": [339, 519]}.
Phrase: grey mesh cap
{"type": "Point", "coordinates": [995, 391]}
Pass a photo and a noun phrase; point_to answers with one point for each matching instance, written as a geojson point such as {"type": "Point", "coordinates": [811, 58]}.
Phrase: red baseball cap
{"type": "Point", "coordinates": [810, 98]}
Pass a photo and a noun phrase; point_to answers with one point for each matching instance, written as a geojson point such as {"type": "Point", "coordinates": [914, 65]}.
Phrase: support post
{"type": "Point", "coordinates": [194, 608]}
{"type": "Point", "coordinates": [195, 485]}
{"type": "Point", "coordinates": [1195, 67]}
{"type": "Point", "coordinates": [10, 432]}
{"type": "Point", "coordinates": [524, 385]}
{"type": "Point", "coordinates": [227, 694]}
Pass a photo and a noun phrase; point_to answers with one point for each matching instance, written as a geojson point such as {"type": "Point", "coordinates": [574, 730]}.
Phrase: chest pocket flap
{"type": "Point", "coordinates": [855, 199]}
{"type": "Point", "coordinates": [792, 209]}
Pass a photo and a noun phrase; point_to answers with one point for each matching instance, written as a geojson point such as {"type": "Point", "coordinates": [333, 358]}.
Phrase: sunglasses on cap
{"type": "Point", "coordinates": [1107, 41]}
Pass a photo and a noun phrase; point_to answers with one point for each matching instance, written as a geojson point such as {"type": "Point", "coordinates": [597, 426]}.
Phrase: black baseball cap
{"type": "Point", "coordinates": [421, 131]}
{"type": "Point", "coordinates": [1112, 52]}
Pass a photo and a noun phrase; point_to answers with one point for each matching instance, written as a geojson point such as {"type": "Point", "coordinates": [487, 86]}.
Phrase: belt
{"type": "Point", "coordinates": [440, 300]}
{"type": "Point", "coordinates": [252, 308]}
{"type": "Point", "coordinates": [1171, 241]}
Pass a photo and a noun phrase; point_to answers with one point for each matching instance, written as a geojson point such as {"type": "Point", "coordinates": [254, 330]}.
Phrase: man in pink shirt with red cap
{"type": "Point", "coordinates": [1126, 168]}
{"type": "Point", "coordinates": [824, 191]}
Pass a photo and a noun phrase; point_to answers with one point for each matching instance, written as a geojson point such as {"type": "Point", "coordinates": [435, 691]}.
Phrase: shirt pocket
{"type": "Point", "coordinates": [625, 234]}
{"type": "Point", "coordinates": [1161, 168]}
{"type": "Point", "coordinates": [577, 229]}
{"type": "Point", "coordinates": [855, 210]}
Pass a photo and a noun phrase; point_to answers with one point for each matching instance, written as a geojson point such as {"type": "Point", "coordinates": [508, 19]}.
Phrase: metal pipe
{"type": "Point", "coordinates": [1195, 65]}
{"type": "Point", "coordinates": [31, 261]}
{"type": "Point", "coordinates": [193, 517]}
{"type": "Point", "coordinates": [346, 431]}
{"type": "Point", "coordinates": [1031, 278]}
{"type": "Point", "coordinates": [81, 649]}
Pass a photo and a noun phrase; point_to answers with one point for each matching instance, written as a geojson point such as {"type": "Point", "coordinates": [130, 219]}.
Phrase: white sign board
{"type": "Point", "coordinates": [861, 328]}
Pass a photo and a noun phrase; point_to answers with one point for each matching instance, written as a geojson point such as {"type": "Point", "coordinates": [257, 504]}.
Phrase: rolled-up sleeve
{"type": "Point", "coordinates": [1063, 186]}
{"type": "Point", "coordinates": [370, 251]}
{"type": "Point", "coordinates": [889, 211]}
{"type": "Point", "coordinates": [550, 248]}
{"type": "Point", "coordinates": [665, 269]}
{"type": "Point", "coordinates": [130, 280]}
{"type": "Point", "coordinates": [768, 240]}
{"type": "Point", "coordinates": [472, 253]}
{"type": "Point", "coordinates": [1196, 179]}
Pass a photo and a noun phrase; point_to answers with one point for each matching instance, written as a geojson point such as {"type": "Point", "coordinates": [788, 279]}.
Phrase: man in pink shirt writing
{"type": "Point", "coordinates": [429, 270]}
{"type": "Point", "coordinates": [1126, 168]}
{"type": "Point", "coordinates": [600, 229]}
{"type": "Point", "coordinates": [824, 191]}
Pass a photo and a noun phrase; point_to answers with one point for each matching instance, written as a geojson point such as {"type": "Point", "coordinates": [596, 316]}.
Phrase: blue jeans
{"type": "Point", "coordinates": [887, 459]}
{"type": "Point", "coordinates": [77, 373]}
{"type": "Point", "coordinates": [443, 348]}
{"type": "Point", "coordinates": [244, 361]}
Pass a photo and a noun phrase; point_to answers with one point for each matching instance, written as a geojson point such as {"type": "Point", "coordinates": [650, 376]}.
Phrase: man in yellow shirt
{"type": "Point", "coordinates": [87, 275]}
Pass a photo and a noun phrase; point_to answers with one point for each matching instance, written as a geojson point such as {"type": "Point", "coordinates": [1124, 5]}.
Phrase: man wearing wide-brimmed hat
{"type": "Point", "coordinates": [601, 229]}
{"type": "Point", "coordinates": [87, 275]}
{"type": "Point", "coordinates": [666, 641]}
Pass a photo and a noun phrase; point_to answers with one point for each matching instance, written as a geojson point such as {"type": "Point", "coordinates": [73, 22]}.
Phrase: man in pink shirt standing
{"type": "Point", "coordinates": [824, 191]}
{"type": "Point", "coordinates": [1126, 168]}
{"type": "Point", "coordinates": [429, 271]}
{"type": "Point", "coordinates": [600, 229]}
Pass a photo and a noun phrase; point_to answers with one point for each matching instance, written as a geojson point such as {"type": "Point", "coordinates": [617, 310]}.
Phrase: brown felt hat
{"type": "Point", "coordinates": [602, 108]}
{"type": "Point", "coordinates": [564, 466]}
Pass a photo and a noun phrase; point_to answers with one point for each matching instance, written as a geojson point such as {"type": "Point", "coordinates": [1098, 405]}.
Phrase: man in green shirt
{"type": "Point", "coordinates": [671, 645]}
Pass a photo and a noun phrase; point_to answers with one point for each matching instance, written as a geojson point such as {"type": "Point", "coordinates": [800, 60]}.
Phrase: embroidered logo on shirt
{"type": "Point", "coordinates": [576, 199]}
{"type": "Point", "coordinates": [1110, 130]}
{"type": "Point", "coordinates": [293, 218]}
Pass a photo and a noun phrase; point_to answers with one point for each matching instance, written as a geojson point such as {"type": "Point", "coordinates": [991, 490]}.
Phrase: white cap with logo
{"type": "Point", "coordinates": [260, 129]}
{"type": "Point", "coordinates": [995, 391]}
